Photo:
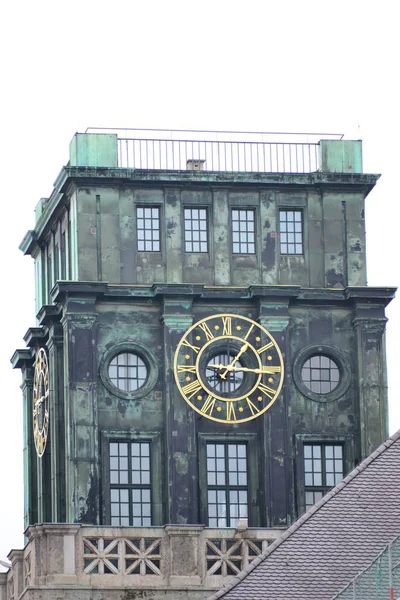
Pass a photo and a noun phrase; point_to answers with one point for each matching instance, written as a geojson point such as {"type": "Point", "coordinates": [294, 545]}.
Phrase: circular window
{"type": "Point", "coordinates": [223, 381]}
{"type": "Point", "coordinates": [127, 371]}
{"type": "Point", "coordinates": [321, 373]}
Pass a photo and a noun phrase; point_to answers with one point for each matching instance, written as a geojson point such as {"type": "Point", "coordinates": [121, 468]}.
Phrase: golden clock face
{"type": "Point", "coordinates": [40, 410]}
{"type": "Point", "coordinates": [229, 368]}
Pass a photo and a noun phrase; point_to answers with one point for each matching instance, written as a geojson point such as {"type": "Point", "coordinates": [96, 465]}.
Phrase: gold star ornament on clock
{"type": "Point", "coordinates": [228, 368]}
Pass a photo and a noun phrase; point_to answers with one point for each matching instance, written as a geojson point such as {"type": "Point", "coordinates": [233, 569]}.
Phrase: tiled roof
{"type": "Point", "coordinates": [333, 541]}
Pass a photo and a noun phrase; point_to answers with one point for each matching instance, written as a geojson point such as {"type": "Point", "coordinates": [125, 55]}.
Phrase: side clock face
{"type": "Point", "coordinates": [40, 410]}
{"type": "Point", "coordinates": [229, 368]}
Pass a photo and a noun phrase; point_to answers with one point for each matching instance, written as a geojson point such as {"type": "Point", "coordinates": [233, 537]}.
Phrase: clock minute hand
{"type": "Point", "coordinates": [230, 367]}
{"type": "Point", "coordinates": [258, 371]}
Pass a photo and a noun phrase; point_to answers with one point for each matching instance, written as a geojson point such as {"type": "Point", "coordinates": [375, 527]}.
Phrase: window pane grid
{"type": "Point", "coordinates": [243, 234]}
{"type": "Point", "coordinates": [323, 468]}
{"type": "Point", "coordinates": [127, 371]}
{"type": "Point", "coordinates": [148, 229]}
{"type": "Point", "coordinates": [233, 380]}
{"type": "Point", "coordinates": [320, 374]}
{"type": "Point", "coordinates": [196, 237]}
{"type": "Point", "coordinates": [130, 493]}
{"type": "Point", "coordinates": [227, 484]}
{"type": "Point", "coordinates": [291, 231]}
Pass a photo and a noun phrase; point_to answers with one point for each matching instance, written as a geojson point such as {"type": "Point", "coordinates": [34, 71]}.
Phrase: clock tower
{"type": "Point", "coordinates": [207, 361]}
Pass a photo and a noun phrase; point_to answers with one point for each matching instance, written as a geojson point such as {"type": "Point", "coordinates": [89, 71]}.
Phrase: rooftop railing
{"type": "Point", "coordinates": [380, 580]}
{"type": "Point", "coordinates": [226, 151]}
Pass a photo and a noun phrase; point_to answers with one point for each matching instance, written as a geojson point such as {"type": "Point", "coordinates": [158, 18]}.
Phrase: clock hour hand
{"type": "Point", "coordinates": [230, 366]}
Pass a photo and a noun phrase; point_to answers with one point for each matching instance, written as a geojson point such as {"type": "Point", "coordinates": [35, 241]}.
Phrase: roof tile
{"type": "Point", "coordinates": [334, 540]}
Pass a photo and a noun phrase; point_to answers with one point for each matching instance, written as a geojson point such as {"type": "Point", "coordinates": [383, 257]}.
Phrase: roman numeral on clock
{"type": "Point", "coordinates": [189, 345]}
{"type": "Point", "coordinates": [207, 331]}
{"type": "Point", "coordinates": [191, 388]}
{"type": "Point", "coordinates": [270, 392]}
{"type": "Point", "coordinates": [186, 368]}
{"type": "Point", "coordinates": [253, 408]}
{"type": "Point", "coordinates": [227, 325]}
{"type": "Point", "coordinates": [264, 348]}
{"type": "Point", "coordinates": [230, 411]}
{"type": "Point", "coordinates": [208, 405]}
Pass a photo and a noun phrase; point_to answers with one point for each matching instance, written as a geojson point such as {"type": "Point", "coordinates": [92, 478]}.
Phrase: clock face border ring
{"type": "Point", "coordinates": [40, 383]}
{"type": "Point", "coordinates": [184, 345]}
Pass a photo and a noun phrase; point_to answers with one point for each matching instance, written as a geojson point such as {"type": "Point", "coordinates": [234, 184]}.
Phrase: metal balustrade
{"type": "Point", "coordinates": [219, 151]}
{"type": "Point", "coordinates": [379, 581]}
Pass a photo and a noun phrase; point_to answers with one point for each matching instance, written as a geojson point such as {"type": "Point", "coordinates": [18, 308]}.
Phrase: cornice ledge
{"type": "Point", "coordinates": [34, 335]}
{"type": "Point", "coordinates": [48, 314]}
{"type": "Point", "coordinates": [29, 242]}
{"type": "Point", "coordinates": [63, 289]}
{"type": "Point", "coordinates": [287, 291]}
{"type": "Point", "coordinates": [34, 531]}
{"type": "Point", "coordinates": [21, 358]}
{"type": "Point", "coordinates": [367, 294]}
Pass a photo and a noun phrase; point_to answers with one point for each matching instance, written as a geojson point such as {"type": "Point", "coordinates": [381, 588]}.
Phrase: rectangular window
{"type": "Point", "coordinates": [130, 490]}
{"type": "Point", "coordinates": [196, 230]}
{"type": "Point", "coordinates": [148, 229]}
{"type": "Point", "coordinates": [226, 484]}
{"type": "Point", "coordinates": [243, 236]}
{"type": "Point", "coordinates": [291, 231]}
{"type": "Point", "coordinates": [323, 468]}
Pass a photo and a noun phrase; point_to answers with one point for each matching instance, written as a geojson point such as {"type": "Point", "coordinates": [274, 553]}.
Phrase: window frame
{"type": "Point", "coordinates": [150, 207]}
{"type": "Point", "coordinates": [154, 440]}
{"type": "Point", "coordinates": [342, 362]}
{"type": "Point", "coordinates": [240, 209]}
{"type": "Point", "coordinates": [324, 487]}
{"type": "Point", "coordinates": [131, 486]}
{"type": "Point", "coordinates": [299, 440]}
{"type": "Point", "coordinates": [148, 358]}
{"type": "Point", "coordinates": [294, 209]}
{"type": "Point", "coordinates": [330, 369]}
{"type": "Point", "coordinates": [191, 230]}
{"type": "Point", "coordinates": [227, 487]}
{"type": "Point", "coordinates": [130, 369]}
{"type": "Point", "coordinates": [255, 485]}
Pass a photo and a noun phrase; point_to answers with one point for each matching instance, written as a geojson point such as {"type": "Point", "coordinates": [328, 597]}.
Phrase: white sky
{"type": "Point", "coordinates": [254, 65]}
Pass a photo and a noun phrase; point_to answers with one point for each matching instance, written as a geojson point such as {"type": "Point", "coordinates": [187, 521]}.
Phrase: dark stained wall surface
{"type": "Point", "coordinates": [333, 237]}
{"type": "Point", "coordinates": [110, 297]}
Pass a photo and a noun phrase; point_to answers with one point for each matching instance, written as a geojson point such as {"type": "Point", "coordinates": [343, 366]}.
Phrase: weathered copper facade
{"type": "Point", "coordinates": [97, 295]}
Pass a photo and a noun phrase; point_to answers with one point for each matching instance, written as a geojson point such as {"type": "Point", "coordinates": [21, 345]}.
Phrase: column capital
{"type": "Point", "coordinates": [177, 314]}
{"type": "Point", "coordinates": [377, 325]}
{"type": "Point", "coordinates": [84, 318]}
{"type": "Point", "coordinates": [177, 322]}
{"type": "Point", "coordinates": [274, 313]}
{"type": "Point", "coordinates": [274, 323]}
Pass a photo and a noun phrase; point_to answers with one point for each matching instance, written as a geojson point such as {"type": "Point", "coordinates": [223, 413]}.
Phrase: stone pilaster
{"type": "Point", "coordinates": [180, 437]}
{"type": "Point", "coordinates": [186, 559]}
{"type": "Point", "coordinates": [57, 437]}
{"type": "Point", "coordinates": [16, 581]}
{"type": "Point", "coordinates": [29, 454]}
{"type": "Point", "coordinates": [221, 239]}
{"type": "Point", "coordinates": [80, 411]}
{"type": "Point", "coordinates": [371, 373]}
{"type": "Point", "coordinates": [52, 553]}
{"type": "Point", "coordinates": [3, 586]}
{"type": "Point", "coordinates": [275, 436]}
